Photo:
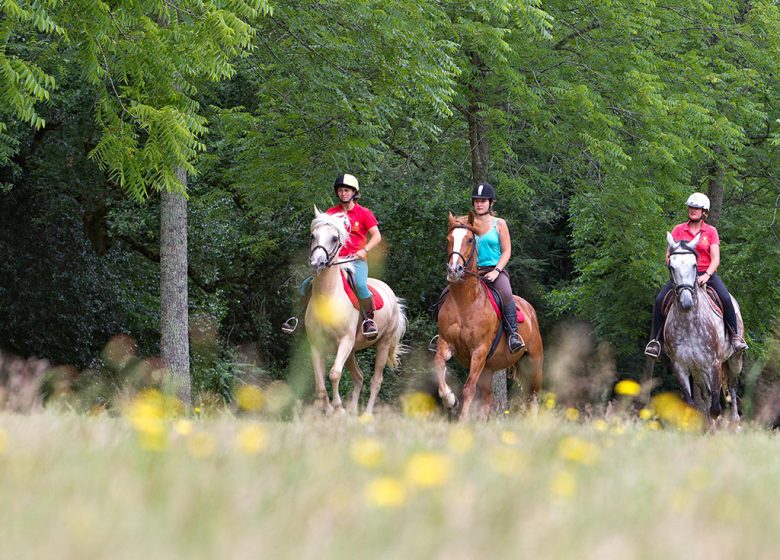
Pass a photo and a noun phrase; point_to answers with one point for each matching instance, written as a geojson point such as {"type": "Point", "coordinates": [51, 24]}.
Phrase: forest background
{"type": "Point", "coordinates": [594, 120]}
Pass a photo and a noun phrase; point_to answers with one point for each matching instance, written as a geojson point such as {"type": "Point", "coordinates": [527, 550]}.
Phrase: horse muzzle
{"type": "Point", "coordinates": [685, 296]}
{"type": "Point", "coordinates": [455, 273]}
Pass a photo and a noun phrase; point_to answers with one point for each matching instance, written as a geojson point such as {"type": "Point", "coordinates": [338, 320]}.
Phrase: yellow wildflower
{"type": "Point", "coordinates": [549, 401]}
{"type": "Point", "coordinates": [578, 450]}
{"type": "Point", "coordinates": [428, 469]}
{"type": "Point", "coordinates": [250, 398]}
{"type": "Point", "coordinates": [670, 408]}
{"type": "Point", "coordinates": [600, 425]}
{"type": "Point", "coordinates": [628, 388]}
{"type": "Point", "coordinates": [385, 492]}
{"type": "Point", "coordinates": [645, 414]}
{"type": "Point", "coordinates": [563, 484]}
{"type": "Point", "coordinates": [367, 452]}
{"type": "Point", "coordinates": [252, 439]}
{"type": "Point", "coordinates": [571, 414]}
{"type": "Point", "coordinates": [418, 405]}
{"type": "Point", "coordinates": [509, 438]}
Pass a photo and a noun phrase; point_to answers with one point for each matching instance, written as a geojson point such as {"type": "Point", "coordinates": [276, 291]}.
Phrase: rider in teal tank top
{"type": "Point", "coordinates": [489, 246]}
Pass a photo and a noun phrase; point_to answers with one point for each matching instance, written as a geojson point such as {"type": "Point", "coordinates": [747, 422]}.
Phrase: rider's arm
{"type": "Point", "coordinates": [714, 260]}
{"type": "Point", "coordinates": [506, 245]}
{"type": "Point", "coordinates": [374, 238]}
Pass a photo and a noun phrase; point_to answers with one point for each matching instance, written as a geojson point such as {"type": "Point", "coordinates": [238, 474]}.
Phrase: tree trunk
{"type": "Point", "coordinates": [174, 316]}
{"type": "Point", "coordinates": [715, 193]}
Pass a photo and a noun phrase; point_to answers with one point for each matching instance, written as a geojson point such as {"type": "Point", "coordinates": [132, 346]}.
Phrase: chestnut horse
{"type": "Point", "coordinates": [468, 325]}
{"type": "Point", "coordinates": [332, 322]}
{"type": "Point", "coordinates": [695, 338]}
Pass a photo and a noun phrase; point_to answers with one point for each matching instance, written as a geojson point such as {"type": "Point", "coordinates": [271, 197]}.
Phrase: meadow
{"type": "Point", "coordinates": [151, 482]}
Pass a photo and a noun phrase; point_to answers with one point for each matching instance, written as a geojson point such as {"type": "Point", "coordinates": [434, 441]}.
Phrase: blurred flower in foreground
{"type": "Point", "coordinates": [148, 413]}
{"type": "Point", "coordinates": [600, 425]}
{"type": "Point", "coordinates": [252, 439]}
{"type": "Point", "coordinates": [645, 414]}
{"type": "Point", "coordinates": [549, 401]}
{"type": "Point", "coordinates": [571, 414]}
{"type": "Point", "coordinates": [578, 450]}
{"type": "Point", "coordinates": [367, 453]}
{"type": "Point", "coordinates": [418, 405]}
{"type": "Point", "coordinates": [563, 484]}
{"type": "Point", "coordinates": [201, 445]}
{"type": "Point", "coordinates": [461, 440]}
{"type": "Point", "coordinates": [627, 388]}
{"type": "Point", "coordinates": [183, 427]}
{"type": "Point", "coordinates": [278, 396]}
{"type": "Point", "coordinates": [672, 409]}
{"type": "Point", "coordinates": [428, 469]}
{"type": "Point", "coordinates": [509, 438]}
{"type": "Point", "coordinates": [327, 311]}
{"type": "Point", "coordinates": [250, 398]}
{"type": "Point", "coordinates": [385, 492]}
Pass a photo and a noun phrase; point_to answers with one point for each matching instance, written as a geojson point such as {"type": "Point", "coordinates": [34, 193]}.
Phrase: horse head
{"type": "Point", "coordinates": [682, 268]}
{"type": "Point", "coordinates": [461, 247]}
{"type": "Point", "coordinates": [328, 235]}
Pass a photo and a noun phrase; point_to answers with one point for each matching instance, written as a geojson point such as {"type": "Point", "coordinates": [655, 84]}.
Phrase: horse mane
{"type": "Point", "coordinates": [335, 220]}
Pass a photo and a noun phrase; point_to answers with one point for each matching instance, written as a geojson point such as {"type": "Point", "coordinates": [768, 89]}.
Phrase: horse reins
{"type": "Point", "coordinates": [331, 254]}
{"type": "Point", "coordinates": [680, 287]}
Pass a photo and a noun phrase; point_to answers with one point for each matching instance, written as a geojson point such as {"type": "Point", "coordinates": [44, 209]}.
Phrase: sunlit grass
{"type": "Point", "coordinates": [155, 483]}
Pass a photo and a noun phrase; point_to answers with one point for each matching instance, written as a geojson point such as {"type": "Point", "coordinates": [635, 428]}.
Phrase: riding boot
{"type": "Point", "coordinates": [369, 326]}
{"type": "Point", "coordinates": [737, 341]}
{"type": "Point", "coordinates": [514, 340]}
{"type": "Point", "coordinates": [289, 326]}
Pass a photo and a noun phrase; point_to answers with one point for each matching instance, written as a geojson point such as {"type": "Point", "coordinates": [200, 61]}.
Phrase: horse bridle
{"type": "Point", "coordinates": [330, 255]}
{"type": "Point", "coordinates": [680, 287]}
{"type": "Point", "coordinates": [466, 262]}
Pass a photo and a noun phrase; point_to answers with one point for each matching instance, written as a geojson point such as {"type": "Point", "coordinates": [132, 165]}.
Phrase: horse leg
{"type": "Point", "coordinates": [716, 382]}
{"type": "Point", "coordinates": [443, 354]}
{"type": "Point", "coordinates": [733, 369]}
{"type": "Point", "coordinates": [357, 382]}
{"type": "Point", "coordinates": [485, 394]}
{"type": "Point", "coordinates": [685, 382]}
{"type": "Point", "coordinates": [346, 344]}
{"type": "Point", "coordinates": [382, 350]}
{"type": "Point", "coordinates": [318, 362]}
{"type": "Point", "coordinates": [470, 388]}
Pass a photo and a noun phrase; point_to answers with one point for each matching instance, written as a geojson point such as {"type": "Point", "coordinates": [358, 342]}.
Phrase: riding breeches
{"type": "Point", "coordinates": [503, 286]}
{"type": "Point", "coordinates": [360, 276]}
{"type": "Point", "coordinates": [729, 313]}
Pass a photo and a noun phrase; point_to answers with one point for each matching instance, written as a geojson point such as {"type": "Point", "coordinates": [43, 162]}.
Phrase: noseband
{"type": "Point", "coordinates": [329, 255]}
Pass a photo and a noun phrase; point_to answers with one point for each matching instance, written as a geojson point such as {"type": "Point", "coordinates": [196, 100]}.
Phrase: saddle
{"type": "Point", "coordinates": [349, 287]}
{"type": "Point", "coordinates": [712, 298]}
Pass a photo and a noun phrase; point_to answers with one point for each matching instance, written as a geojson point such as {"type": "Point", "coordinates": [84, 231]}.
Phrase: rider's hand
{"type": "Point", "coordinates": [362, 254]}
{"type": "Point", "coordinates": [491, 276]}
{"type": "Point", "coordinates": [703, 278]}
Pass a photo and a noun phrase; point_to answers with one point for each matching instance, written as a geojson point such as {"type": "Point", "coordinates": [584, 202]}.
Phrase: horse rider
{"type": "Point", "coordinates": [364, 235]}
{"type": "Point", "coordinates": [494, 249]}
{"type": "Point", "coordinates": [708, 253]}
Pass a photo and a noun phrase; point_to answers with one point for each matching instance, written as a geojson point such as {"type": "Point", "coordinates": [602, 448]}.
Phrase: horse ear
{"type": "Point", "coordinates": [317, 212]}
{"type": "Point", "coordinates": [670, 240]}
{"type": "Point", "coordinates": [693, 242]}
{"type": "Point", "coordinates": [451, 219]}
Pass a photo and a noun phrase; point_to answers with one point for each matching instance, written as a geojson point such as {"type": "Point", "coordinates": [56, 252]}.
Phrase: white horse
{"type": "Point", "coordinates": [332, 322]}
{"type": "Point", "coordinates": [695, 339]}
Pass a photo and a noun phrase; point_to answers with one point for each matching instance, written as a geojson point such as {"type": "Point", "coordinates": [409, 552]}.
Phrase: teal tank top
{"type": "Point", "coordinates": [489, 246]}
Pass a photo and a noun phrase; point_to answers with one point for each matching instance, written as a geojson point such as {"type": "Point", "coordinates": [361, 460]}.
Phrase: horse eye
{"type": "Point", "coordinates": [335, 238]}
{"type": "Point", "coordinates": [312, 237]}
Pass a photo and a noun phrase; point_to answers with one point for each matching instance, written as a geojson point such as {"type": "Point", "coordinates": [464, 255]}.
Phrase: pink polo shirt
{"type": "Point", "coordinates": [709, 237]}
{"type": "Point", "coordinates": [359, 220]}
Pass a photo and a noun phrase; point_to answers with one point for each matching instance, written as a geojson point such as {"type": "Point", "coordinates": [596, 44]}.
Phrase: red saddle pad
{"type": "Point", "coordinates": [378, 301]}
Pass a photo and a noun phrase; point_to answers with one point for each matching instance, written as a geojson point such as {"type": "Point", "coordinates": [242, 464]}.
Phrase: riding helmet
{"type": "Point", "coordinates": [484, 190]}
{"type": "Point", "coordinates": [698, 200]}
{"type": "Point", "coordinates": [347, 180]}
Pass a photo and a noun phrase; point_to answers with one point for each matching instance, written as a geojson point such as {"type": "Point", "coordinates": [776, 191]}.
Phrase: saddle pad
{"type": "Point", "coordinates": [497, 308]}
{"type": "Point", "coordinates": [379, 303]}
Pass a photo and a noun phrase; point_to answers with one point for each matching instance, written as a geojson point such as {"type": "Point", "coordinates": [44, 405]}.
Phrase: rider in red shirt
{"type": "Point", "coordinates": [708, 253]}
{"type": "Point", "coordinates": [364, 235]}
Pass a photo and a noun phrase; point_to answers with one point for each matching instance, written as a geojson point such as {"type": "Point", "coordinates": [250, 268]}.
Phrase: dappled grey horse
{"type": "Point", "coordinates": [695, 337]}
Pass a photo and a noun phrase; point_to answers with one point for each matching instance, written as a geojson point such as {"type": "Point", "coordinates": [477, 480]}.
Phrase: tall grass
{"type": "Point", "coordinates": [75, 486]}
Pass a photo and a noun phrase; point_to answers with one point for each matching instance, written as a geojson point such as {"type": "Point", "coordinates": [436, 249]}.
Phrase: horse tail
{"type": "Point", "coordinates": [396, 348]}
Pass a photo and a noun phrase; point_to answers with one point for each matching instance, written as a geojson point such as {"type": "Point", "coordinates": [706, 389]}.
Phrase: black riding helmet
{"type": "Point", "coordinates": [347, 180]}
{"type": "Point", "coordinates": [484, 190]}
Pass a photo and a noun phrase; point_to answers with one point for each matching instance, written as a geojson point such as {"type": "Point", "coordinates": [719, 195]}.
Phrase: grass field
{"type": "Point", "coordinates": [150, 485]}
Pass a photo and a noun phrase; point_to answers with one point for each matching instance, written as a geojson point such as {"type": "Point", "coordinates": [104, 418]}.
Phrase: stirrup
{"type": "Point", "coordinates": [369, 329]}
{"type": "Point", "coordinates": [289, 326]}
{"type": "Point", "coordinates": [653, 349]}
{"type": "Point", "coordinates": [739, 343]}
{"type": "Point", "coordinates": [515, 343]}
{"type": "Point", "coordinates": [433, 345]}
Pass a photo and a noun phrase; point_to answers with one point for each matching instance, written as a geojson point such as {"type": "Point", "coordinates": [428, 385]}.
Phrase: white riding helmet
{"type": "Point", "coordinates": [698, 200]}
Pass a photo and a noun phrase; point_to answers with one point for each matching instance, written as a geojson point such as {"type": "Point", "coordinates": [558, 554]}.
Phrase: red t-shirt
{"type": "Point", "coordinates": [361, 219]}
{"type": "Point", "coordinates": [709, 237]}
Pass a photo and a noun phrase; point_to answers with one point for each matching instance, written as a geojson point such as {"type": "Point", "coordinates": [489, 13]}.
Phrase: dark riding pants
{"type": "Point", "coordinates": [503, 286]}
{"type": "Point", "coordinates": [729, 313]}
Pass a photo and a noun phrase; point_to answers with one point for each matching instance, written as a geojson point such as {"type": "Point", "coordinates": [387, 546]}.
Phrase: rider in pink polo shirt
{"type": "Point", "coordinates": [708, 252]}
